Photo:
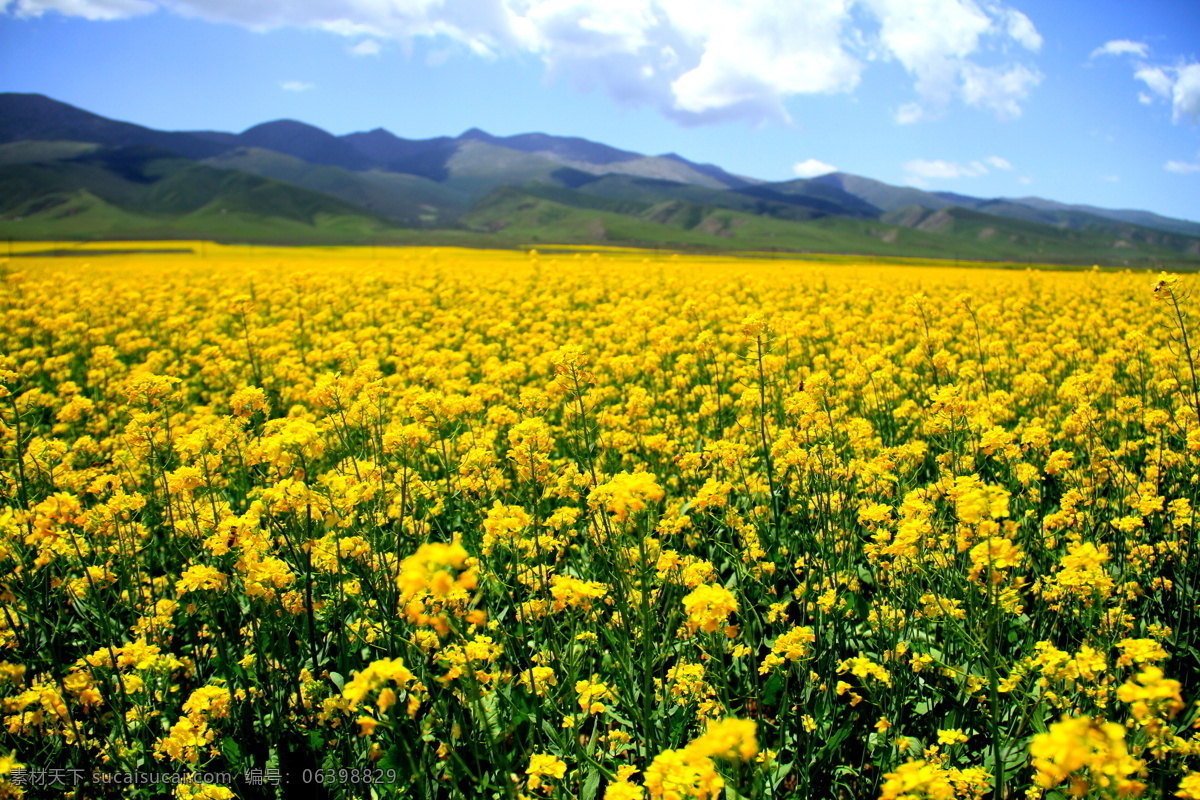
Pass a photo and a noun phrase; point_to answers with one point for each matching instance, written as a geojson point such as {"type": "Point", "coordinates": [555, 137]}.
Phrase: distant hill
{"type": "Point", "coordinates": [305, 142]}
{"type": "Point", "coordinates": [829, 199]}
{"type": "Point", "coordinates": [1126, 226]}
{"type": "Point", "coordinates": [69, 173]}
{"type": "Point", "coordinates": [545, 214]}
{"type": "Point", "coordinates": [881, 195]}
{"type": "Point", "coordinates": [408, 200]}
{"type": "Point", "coordinates": [763, 199]}
{"type": "Point", "coordinates": [1144, 218]}
{"type": "Point", "coordinates": [1011, 237]}
{"type": "Point", "coordinates": [141, 190]}
{"type": "Point", "coordinates": [33, 117]}
{"type": "Point", "coordinates": [388, 151]}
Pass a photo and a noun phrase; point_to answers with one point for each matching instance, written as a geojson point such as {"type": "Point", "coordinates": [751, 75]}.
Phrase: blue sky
{"type": "Point", "coordinates": [1082, 101]}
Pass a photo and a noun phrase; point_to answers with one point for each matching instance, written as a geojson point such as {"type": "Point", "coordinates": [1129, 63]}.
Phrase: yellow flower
{"type": "Point", "coordinates": [544, 766]}
{"type": "Point", "coordinates": [626, 493]}
{"type": "Point", "coordinates": [185, 740]}
{"type": "Point", "coordinates": [994, 555]}
{"type": "Point", "coordinates": [791, 646]}
{"type": "Point", "coordinates": [755, 325]}
{"type": "Point", "coordinates": [1087, 752]}
{"type": "Point", "coordinates": [210, 702]}
{"type": "Point", "coordinates": [1189, 787]}
{"type": "Point", "coordinates": [863, 667]}
{"type": "Point", "coordinates": [708, 607]}
{"type": "Point", "coordinates": [686, 683]}
{"type": "Point", "coordinates": [432, 569]}
{"type": "Point", "coordinates": [200, 577]}
{"type": "Point", "coordinates": [538, 680]}
{"type": "Point", "coordinates": [1153, 698]}
{"type": "Point", "coordinates": [680, 775]}
{"type": "Point", "coordinates": [624, 790]}
{"type": "Point", "coordinates": [377, 674]}
{"type": "Point", "coordinates": [568, 591]}
{"type": "Point", "coordinates": [590, 694]}
{"type": "Point", "coordinates": [730, 738]}
{"type": "Point", "coordinates": [203, 791]}
{"type": "Point", "coordinates": [951, 736]}
{"type": "Point", "coordinates": [917, 779]}
{"type": "Point", "coordinates": [1140, 651]}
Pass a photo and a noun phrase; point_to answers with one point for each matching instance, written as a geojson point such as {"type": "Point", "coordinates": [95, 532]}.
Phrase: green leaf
{"type": "Point", "coordinates": [615, 716]}
{"type": "Point", "coordinates": [338, 680]}
{"type": "Point", "coordinates": [860, 605]}
{"type": "Point", "coordinates": [831, 745]}
{"type": "Point", "coordinates": [773, 691]}
{"type": "Point", "coordinates": [490, 705]}
{"type": "Point", "coordinates": [590, 786]}
{"type": "Point", "coordinates": [780, 771]}
{"type": "Point", "coordinates": [393, 758]}
{"type": "Point", "coordinates": [231, 750]}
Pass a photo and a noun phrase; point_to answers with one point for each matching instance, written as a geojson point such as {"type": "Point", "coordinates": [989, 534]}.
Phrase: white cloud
{"type": "Point", "coordinates": [930, 39]}
{"type": "Point", "coordinates": [1024, 180]}
{"type": "Point", "coordinates": [922, 168]}
{"type": "Point", "coordinates": [367, 47]}
{"type": "Point", "coordinates": [694, 60]}
{"type": "Point", "coordinates": [1121, 47]}
{"type": "Point", "coordinates": [1185, 99]}
{"type": "Point", "coordinates": [935, 40]}
{"type": "Point", "coordinates": [811, 168]}
{"type": "Point", "coordinates": [1178, 85]}
{"type": "Point", "coordinates": [1021, 29]}
{"type": "Point", "coordinates": [919, 170]}
{"type": "Point", "coordinates": [1111, 178]}
{"type": "Point", "coordinates": [88, 9]}
{"type": "Point", "coordinates": [1157, 78]}
{"type": "Point", "coordinates": [908, 113]}
{"type": "Point", "coordinates": [998, 89]}
{"type": "Point", "coordinates": [296, 86]}
{"type": "Point", "coordinates": [759, 58]}
{"type": "Point", "coordinates": [1181, 167]}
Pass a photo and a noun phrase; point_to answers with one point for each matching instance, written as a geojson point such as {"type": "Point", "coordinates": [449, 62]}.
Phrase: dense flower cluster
{"type": "Point", "coordinates": [616, 525]}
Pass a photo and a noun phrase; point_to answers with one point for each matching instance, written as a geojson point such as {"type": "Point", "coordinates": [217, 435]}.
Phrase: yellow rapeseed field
{"type": "Point", "coordinates": [464, 524]}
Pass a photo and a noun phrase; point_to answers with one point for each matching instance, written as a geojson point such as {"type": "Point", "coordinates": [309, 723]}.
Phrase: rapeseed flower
{"type": "Point", "coordinates": [708, 607]}
{"type": "Point", "coordinates": [542, 766]}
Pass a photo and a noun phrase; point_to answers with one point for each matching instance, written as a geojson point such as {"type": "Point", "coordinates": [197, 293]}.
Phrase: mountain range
{"type": "Point", "coordinates": [66, 173]}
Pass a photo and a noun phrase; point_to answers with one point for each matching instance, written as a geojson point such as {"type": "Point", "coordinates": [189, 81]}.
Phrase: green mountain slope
{"type": "Point", "coordinates": [144, 190]}
{"type": "Point", "coordinates": [537, 214]}
{"type": "Point", "coordinates": [476, 168]}
{"type": "Point", "coordinates": [530, 216]}
{"type": "Point", "coordinates": [760, 200]}
{"type": "Point", "coordinates": [32, 152]}
{"type": "Point", "coordinates": [1014, 238]}
{"type": "Point", "coordinates": [403, 199]}
{"type": "Point", "coordinates": [1146, 219]}
{"type": "Point", "coordinates": [879, 194]}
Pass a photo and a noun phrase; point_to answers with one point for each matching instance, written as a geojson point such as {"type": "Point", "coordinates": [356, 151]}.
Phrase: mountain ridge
{"type": "Point", "coordinates": [379, 178]}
